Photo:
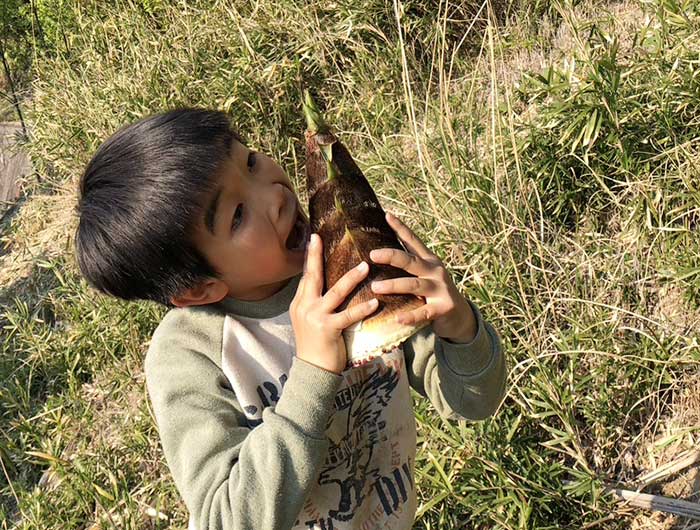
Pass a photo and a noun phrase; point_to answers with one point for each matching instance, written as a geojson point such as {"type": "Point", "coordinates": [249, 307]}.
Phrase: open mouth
{"type": "Point", "coordinates": [299, 235]}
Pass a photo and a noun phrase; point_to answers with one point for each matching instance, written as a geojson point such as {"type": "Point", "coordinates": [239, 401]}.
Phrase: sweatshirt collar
{"type": "Point", "coordinates": [269, 307]}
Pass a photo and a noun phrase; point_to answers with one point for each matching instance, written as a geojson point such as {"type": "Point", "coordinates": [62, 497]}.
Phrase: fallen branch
{"type": "Point", "coordinates": [658, 503]}
{"type": "Point", "coordinates": [654, 502]}
{"type": "Point", "coordinates": [685, 459]}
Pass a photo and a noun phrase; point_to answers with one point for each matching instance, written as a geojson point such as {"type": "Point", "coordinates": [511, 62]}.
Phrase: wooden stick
{"type": "Point", "coordinates": [685, 459]}
{"type": "Point", "coordinates": [658, 503]}
{"type": "Point", "coordinates": [654, 502]}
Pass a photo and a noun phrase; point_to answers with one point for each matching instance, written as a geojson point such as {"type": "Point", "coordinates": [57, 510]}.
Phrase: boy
{"type": "Point", "coordinates": [262, 426]}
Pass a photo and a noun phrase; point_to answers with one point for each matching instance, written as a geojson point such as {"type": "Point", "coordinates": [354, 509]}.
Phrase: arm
{"type": "Point", "coordinates": [461, 380]}
{"type": "Point", "coordinates": [232, 477]}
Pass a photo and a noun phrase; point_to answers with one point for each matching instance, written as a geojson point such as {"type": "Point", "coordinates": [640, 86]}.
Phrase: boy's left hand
{"type": "Point", "coordinates": [452, 317]}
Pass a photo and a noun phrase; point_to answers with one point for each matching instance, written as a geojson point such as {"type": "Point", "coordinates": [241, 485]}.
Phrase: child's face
{"type": "Point", "coordinates": [246, 223]}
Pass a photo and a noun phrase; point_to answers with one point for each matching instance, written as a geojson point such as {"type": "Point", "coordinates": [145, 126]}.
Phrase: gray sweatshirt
{"type": "Point", "coordinates": [258, 439]}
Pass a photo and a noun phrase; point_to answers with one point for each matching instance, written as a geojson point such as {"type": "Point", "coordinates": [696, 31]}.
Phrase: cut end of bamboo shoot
{"type": "Point", "coordinates": [376, 336]}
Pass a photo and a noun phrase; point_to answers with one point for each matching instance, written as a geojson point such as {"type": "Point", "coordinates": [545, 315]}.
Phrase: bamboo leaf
{"type": "Point", "coordinates": [591, 126]}
{"type": "Point", "coordinates": [102, 492]}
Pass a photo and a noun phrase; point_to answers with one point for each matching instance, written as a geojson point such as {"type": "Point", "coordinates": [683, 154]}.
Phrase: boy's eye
{"type": "Point", "coordinates": [251, 160]}
{"type": "Point", "coordinates": [237, 216]}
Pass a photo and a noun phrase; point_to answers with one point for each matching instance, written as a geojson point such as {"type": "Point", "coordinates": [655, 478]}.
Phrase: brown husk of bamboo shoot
{"type": "Point", "coordinates": [348, 236]}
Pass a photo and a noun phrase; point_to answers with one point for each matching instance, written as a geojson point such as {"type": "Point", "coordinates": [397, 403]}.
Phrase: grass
{"type": "Point", "coordinates": [551, 163]}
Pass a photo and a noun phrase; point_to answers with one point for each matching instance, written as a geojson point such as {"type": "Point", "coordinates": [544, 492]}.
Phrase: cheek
{"type": "Point", "coordinates": [261, 249]}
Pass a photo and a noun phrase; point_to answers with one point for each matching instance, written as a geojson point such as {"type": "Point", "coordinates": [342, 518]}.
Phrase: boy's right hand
{"type": "Point", "coordinates": [317, 328]}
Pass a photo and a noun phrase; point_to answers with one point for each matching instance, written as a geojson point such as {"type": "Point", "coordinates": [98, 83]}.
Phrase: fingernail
{"type": "Point", "coordinates": [362, 266]}
{"type": "Point", "coordinates": [373, 301]}
{"type": "Point", "coordinates": [314, 239]}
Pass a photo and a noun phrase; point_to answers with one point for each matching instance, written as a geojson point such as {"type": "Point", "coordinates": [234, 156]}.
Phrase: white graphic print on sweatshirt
{"type": "Point", "coordinates": [367, 480]}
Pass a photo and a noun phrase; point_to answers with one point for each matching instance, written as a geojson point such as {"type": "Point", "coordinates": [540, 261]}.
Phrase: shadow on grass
{"type": "Point", "coordinates": [29, 374]}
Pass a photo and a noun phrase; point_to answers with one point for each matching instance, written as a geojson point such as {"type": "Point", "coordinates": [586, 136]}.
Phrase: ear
{"type": "Point", "coordinates": [206, 292]}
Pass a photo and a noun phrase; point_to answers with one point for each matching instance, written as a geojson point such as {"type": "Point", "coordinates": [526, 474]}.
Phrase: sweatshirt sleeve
{"type": "Point", "coordinates": [232, 477]}
{"type": "Point", "coordinates": [462, 381]}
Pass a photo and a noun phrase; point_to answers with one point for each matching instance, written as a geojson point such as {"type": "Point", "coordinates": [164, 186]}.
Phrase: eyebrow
{"type": "Point", "coordinates": [210, 214]}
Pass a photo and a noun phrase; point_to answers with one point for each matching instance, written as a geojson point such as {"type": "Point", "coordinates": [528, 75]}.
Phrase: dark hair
{"type": "Point", "coordinates": [139, 197]}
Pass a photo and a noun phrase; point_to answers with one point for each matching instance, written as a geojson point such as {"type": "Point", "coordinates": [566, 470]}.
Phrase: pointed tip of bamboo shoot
{"type": "Point", "coordinates": [314, 120]}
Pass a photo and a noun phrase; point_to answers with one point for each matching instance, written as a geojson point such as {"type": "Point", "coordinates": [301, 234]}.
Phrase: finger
{"type": "Point", "coordinates": [354, 314]}
{"type": "Point", "coordinates": [344, 286]}
{"type": "Point", "coordinates": [421, 314]}
{"type": "Point", "coordinates": [398, 258]}
{"type": "Point", "coordinates": [411, 240]}
{"type": "Point", "coordinates": [313, 266]}
{"type": "Point", "coordinates": [418, 286]}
